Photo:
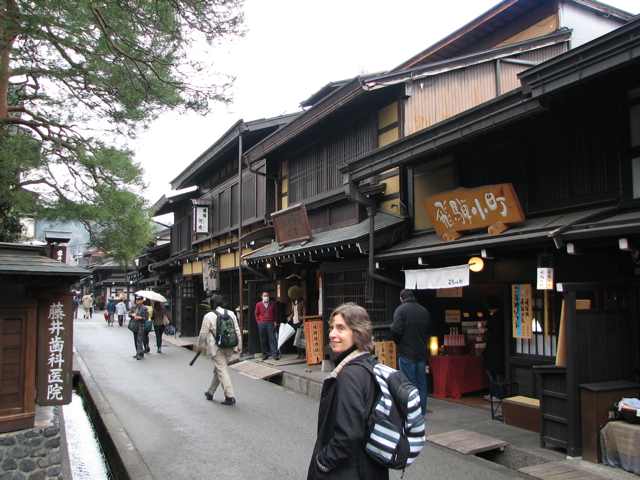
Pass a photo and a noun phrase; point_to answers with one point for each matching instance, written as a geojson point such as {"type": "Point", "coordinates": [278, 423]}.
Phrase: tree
{"type": "Point", "coordinates": [77, 80]}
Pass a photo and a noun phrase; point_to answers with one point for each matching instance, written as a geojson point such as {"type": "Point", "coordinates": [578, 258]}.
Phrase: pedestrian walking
{"type": "Point", "coordinates": [298, 311]}
{"type": "Point", "coordinates": [220, 355]}
{"type": "Point", "coordinates": [87, 304]}
{"type": "Point", "coordinates": [121, 311]}
{"type": "Point", "coordinates": [349, 394]}
{"type": "Point", "coordinates": [410, 329]}
{"type": "Point", "coordinates": [158, 323]}
{"type": "Point", "coordinates": [266, 316]}
{"type": "Point", "coordinates": [145, 333]}
{"type": "Point", "coordinates": [76, 305]}
{"type": "Point", "coordinates": [111, 312]}
{"type": "Point", "coordinates": [141, 313]}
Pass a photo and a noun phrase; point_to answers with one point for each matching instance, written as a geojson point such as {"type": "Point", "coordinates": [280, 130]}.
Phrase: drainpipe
{"type": "Point", "coordinates": [240, 281]}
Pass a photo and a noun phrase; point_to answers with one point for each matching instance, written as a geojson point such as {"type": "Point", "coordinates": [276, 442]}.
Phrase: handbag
{"type": "Point", "coordinates": [299, 340]}
{"type": "Point", "coordinates": [133, 325]}
{"type": "Point", "coordinates": [165, 321]}
{"type": "Point", "coordinates": [148, 326]}
{"type": "Point", "coordinates": [106, 316]}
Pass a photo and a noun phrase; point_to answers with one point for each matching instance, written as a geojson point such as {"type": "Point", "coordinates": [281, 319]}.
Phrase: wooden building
{"type": "Point", "coordinates": [36, 333]}
{"type": "Point", "coordinates": [568, 142]}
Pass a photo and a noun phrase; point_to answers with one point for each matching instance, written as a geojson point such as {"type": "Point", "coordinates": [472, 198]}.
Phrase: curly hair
{"type": "Point", "coordinates": [358, 320]}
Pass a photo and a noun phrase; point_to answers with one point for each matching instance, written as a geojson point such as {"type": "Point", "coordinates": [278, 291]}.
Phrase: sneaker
{"type": "Point", "coordinates": [159, 351]}
{"type": "Point", "coordinates": [228, 401]}
{"type": "Point", "coordinates": [487, 398]}
{"type": "Point", "coordinates": [208, 395]}
{"type": "Point", "coordinates": [139, 357]}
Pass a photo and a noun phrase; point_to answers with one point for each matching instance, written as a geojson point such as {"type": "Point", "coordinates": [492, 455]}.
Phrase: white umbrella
{"type": "Point", "coordinates": [151, 295]}
{"type": "Point", "coordinates": [286, 332]}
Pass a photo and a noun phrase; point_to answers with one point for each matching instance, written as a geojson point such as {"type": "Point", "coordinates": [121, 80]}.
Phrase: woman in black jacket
{"type": "Point", "coordinates": [349, 394]}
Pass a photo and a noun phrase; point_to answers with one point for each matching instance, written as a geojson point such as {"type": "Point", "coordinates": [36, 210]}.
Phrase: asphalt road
{"type": "Point", "coordinates": [269, 434]}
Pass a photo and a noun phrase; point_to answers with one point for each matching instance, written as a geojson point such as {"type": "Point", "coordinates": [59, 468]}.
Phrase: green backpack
{"type": "Point", "coordinates": [226, 333]}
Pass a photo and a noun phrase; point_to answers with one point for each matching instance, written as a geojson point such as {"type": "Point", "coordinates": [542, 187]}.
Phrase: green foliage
{"type": "Point", "coordinates": [295, 293]}
{"type": "Point", "coordinates": [79, 78]}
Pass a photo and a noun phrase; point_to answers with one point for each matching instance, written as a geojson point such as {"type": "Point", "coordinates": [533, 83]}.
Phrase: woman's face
{"type": "Point", "coordinates": [340, 335]}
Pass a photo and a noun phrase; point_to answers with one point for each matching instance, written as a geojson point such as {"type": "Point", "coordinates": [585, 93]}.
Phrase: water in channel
{"type": "Point", "coordinates": [85, 454]}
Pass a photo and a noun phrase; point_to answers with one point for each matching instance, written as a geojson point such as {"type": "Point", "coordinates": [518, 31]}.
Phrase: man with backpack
{"type": "Point", "coordinates": [410, 329]}
{"type": "Point", "coordinates": [221, 334]}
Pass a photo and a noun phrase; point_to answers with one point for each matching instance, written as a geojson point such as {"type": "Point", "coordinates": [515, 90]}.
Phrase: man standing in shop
{"type": "Point", "coordinates": [410, 328]}
{"type": "Point", "coordinates": [493, 362]}
{"type": "Point", "coordinates": [267, 316]}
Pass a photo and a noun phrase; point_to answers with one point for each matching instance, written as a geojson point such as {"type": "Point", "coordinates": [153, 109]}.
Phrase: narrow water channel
{"type": "Point", "coordinates": [85, 454]}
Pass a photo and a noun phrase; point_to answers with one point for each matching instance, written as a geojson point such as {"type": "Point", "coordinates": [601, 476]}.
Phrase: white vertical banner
{"type": "Point", "coordinates": [545, 279]}
{"type": "Point", "coordinates": [201, 220]}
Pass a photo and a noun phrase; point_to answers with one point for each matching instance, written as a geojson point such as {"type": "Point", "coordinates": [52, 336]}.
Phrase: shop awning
{"type": "Point", "coordinates": [554, 231]}
{"type": "Point", "coordinates": [333, 239]}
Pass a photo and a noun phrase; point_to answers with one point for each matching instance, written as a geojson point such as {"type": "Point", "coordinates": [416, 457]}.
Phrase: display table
{"type": "Point", "coordinates": [620, 443]}
{"type": "Point", "coordinates": [453, 376]}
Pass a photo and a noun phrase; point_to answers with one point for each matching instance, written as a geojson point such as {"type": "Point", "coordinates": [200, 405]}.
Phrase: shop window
{"type": "Point", "coordinates": [545, 323]}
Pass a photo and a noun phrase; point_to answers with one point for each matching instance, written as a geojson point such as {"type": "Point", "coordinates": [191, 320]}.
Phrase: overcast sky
{"type": "Point", "coordinates": [294, 47]}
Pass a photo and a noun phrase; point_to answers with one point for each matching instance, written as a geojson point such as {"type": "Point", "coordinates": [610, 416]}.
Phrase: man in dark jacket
{"type": "Point", "coordinates": [410, 328]}
{"type": "Point", "coordinates": [493, 333]}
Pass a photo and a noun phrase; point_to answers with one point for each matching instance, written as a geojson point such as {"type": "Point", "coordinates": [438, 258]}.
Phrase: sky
{"type": "Point", "coordinates": [291, 49]}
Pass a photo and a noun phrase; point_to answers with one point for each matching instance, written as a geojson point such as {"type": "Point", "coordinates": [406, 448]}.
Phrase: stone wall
{"type": "Point", "coordinates": [33, 454]}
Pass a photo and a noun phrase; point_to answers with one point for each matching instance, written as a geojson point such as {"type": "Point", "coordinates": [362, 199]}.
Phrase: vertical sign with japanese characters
{"type": "Point", "coordinates": [314, 335]}
{"type": "Point", "coordinates": [202, 220]}
{"type": "Point", "coordinates": [55, 338]}
{"type": "Point", "coordinates": [545, 278]}
{"type": "Point", "coordinates": [522, 312]}
{"type": "Point", "coordinates": [386, 353]}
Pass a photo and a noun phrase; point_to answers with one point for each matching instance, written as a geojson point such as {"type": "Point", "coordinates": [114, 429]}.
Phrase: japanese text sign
{"type": "Point", "coordinates": [386, 353]}
{"type": "Point", "coordinates": [522, 311]}
{"type": "Point", "coordinates": [292, 225]}
{"type": "Point", "coordinates": [202, 220]}
{"type": "Point", "coordinates": [545, 279]}
{"type": "Point", "coordinates": [54, 381]}
{"type": "Point", "coordinates": [471, 208]}
{"type": "Point", "coordinates": [314, 335]}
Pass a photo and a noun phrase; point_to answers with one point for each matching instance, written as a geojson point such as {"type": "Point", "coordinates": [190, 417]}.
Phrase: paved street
{"type": "Point", "coordinates": [169, 430]}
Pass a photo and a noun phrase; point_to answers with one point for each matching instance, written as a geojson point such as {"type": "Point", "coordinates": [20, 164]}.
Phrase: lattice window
{"type": "Point", "coordinates": [316, 169]}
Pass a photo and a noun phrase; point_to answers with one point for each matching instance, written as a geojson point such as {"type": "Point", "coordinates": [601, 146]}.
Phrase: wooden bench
{"type": "Point", "coordinates": [522, 412]}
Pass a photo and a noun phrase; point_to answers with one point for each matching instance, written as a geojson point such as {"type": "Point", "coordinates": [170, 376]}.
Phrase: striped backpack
{"type": "Point", "coordinates": [395, 429]}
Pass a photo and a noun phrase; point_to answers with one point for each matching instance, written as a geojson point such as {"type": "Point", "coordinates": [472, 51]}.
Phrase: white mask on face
{"type": "Point", "coordinates": [265, 300]}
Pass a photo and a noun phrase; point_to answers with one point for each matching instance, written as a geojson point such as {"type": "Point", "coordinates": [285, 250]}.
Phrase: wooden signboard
{"type": "Point", "coordinates": [387, 354]}
{"type": "Point", "coordinates": [494, 206]}
{"type": "Point", "coordinates": [55, 352]}
{"type": "Point", "coordinates": [292, 225]}
{"type": "Point", "coordinates": [452, 316]}
{"type": "Point", "coordinates": [522, 311]}
{"type": "Point", "coordinates": [314, 336]}
{"type": "Point", "coordinates": [449, 292]}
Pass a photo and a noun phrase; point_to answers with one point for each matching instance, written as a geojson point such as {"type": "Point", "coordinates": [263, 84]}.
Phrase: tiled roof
{"type": "Point", "coordinates": [26, 260]}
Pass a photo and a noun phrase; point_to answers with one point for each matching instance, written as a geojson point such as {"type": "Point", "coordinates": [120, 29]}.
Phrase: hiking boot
{"type": "Point", "coordinates": [228, 401]}
{"type": "Point", "coordinates": [208, 395]}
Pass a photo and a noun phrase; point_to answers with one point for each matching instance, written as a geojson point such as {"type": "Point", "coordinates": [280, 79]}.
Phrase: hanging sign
{"type": "Point", "coordinates": [432, 278]}
{"type": "Point", "coordinates": [386, 353]}
{"type": "Point", "coordinates": [292, 225]}
{"type": "Point", "coordinates": [545, 279]}
{"type": "Point", "coordinates": [522, 311]}
{"type": "Point", "coordinates": [210, 274]}
{"type": "Point", "coordinates": [471, 208]}
{"type": "Point", "coordinates": [202, 220]}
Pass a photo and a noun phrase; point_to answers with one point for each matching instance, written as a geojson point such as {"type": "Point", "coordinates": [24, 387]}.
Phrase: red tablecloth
{"type": "Point", "coordinates": [453, 376]}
